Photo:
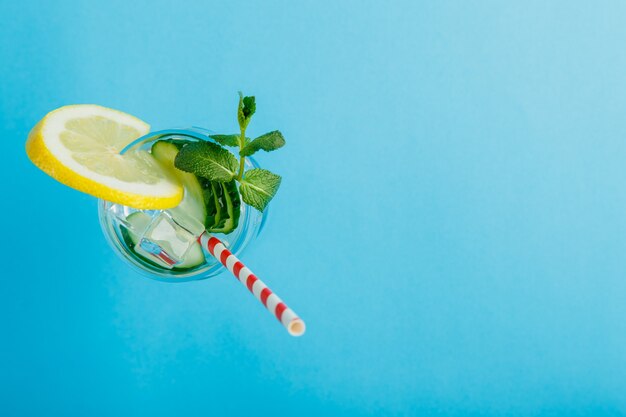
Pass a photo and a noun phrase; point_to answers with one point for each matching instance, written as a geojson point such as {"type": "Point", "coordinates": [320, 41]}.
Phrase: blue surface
{"type": "Point", "coordinates": [452, 222]}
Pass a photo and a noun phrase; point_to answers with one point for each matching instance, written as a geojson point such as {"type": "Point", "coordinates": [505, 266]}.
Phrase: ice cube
{"type": "Point", "coordinates": [132, 223]}
{"type": "Point", "coordinates": [184, 220]}
{"type": "Point", "coordinates": [169, 237]}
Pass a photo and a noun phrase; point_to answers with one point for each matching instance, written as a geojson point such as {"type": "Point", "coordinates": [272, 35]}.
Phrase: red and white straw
{"type": "Point", "coordinates": [288, 318]}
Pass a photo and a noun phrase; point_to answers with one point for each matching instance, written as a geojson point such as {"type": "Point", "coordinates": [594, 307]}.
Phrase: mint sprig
{"type": "Point", "coordinates": [215, 163]}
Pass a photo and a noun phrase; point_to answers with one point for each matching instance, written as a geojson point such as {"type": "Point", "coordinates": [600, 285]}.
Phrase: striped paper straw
{"type": "Point", "coordinates": [288, 318]}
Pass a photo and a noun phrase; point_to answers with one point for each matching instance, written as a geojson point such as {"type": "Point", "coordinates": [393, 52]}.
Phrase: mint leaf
{"type": "Point", "coordinates": [249, 106]}
{"type": "Point", "coordinates": [207, 160]}
{"type": "Point", "coordinates": [268, 142]}
{"type": "Point", "coordinates": [246, 109]}
{"type": "Point", "coordinates": [258, 187]}
{"type": "Point", "coordinates": [226, 140]}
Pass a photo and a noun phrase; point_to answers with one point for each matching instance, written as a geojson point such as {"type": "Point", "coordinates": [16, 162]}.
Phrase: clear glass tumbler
{"type": "Point", "coordinates": [251, 221]}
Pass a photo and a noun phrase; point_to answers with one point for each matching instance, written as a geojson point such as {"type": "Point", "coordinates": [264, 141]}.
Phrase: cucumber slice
{"type": "Point", "coordinates": [194, 257]}
{"type": "Point", "coordinates": [230, 197]}
{"type": "Point", "coordinates": [234, 203]}
{"type": "Point", "coordinates": [193, 202]}
{"type": "Point", "coordinates": [221, 211]}
{"type": "Point", "coordinates": [223, 205]}
{"type": "Point", "coordinates": [139, 222]}
{"type": "Point", "coordinates": [179, 143]}
{"type": "Point", "coordinates": [209, 202]}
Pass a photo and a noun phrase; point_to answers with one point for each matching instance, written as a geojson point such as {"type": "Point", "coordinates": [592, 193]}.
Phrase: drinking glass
{"type": "Point", "coordinates": [112, 216]}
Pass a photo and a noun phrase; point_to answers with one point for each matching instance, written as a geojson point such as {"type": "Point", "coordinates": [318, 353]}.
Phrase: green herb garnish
{"type": "Point", "coordinates": [258, 187]}
{"type": "Point", "coordinates": [208, 160]}
{"type": "Point", "coordinates": [268, 142]}
{"type": "Point", "coordinates": [215, 163]}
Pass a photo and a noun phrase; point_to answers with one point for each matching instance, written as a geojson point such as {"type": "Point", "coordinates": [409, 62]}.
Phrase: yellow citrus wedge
{"type": "Point", "coordinates": [80, 146]}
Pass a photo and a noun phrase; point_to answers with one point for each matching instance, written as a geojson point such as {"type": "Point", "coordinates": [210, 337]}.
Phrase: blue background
{"type": "Point", "coordinates": [452, 221]}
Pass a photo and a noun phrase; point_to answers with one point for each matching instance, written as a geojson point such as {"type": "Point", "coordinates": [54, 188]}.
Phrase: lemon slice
{"type": "Point", "coordinates": [80, 146]}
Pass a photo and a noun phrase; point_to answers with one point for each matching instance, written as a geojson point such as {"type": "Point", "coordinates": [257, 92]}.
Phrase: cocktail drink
{"type": "Point", "coordinates": [176, 205]}
{"type": "Point", "coordinates": [124, 226]}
